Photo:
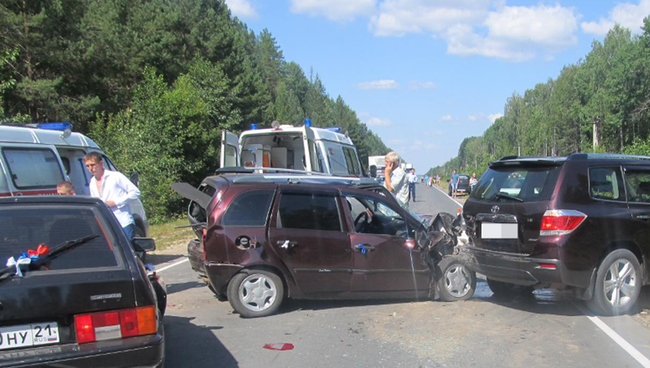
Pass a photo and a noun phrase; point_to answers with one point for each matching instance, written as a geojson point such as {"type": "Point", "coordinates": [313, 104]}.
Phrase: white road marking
{"type": "Point", "coordinates": [446, 195]}
{"type": "Point", "coordinates": [172, 265]}
{"type": "Point", "coordinates": [645, 362]}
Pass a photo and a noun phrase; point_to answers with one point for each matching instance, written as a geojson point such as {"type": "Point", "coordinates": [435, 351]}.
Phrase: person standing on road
{"type": "Point", "coordinates": [454, 183]}
{"type": "Point", "coordinates": [473, 181]}
{"type": "Point", "coordinates": [396, 179]}
{"type": "Point", "coordinates": [412, 180]}
{"type": "Point", "coordinates": [115, 189]}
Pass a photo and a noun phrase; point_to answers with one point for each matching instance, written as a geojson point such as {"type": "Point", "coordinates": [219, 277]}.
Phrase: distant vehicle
{"type": "Point", "coordinates": [463, 185]}
{"type": "Point", "coordinates": [34, 160]}
{"type": "Point", "coordinates": [379, 164]}
{"type": "Point", "coordinates": [87, 301]}
{"type": "Point", "coordinates": [578, 222]}
{"type": "Point", "coordinates": [266, 237]}
{"type": "Point", "coordinates": [322, 150]}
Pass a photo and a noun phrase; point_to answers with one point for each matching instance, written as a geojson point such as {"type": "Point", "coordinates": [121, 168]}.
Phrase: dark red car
{"type": "Point", "coordinates": [270, 236]}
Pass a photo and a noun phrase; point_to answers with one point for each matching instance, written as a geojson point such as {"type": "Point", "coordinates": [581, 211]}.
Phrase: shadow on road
{"type": "Point", "coordinates": [175, 288]}
{"type": "Point", "coordinates": [292, 305]}
{"type": "Point", "coordinates": [184, 339]}
{"type": "Point", "coordinates": [157, 259]}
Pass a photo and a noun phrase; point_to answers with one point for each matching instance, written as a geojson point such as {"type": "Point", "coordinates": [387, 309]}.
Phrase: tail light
{"type": "Point", "coordinates": [117, 324]}
{"type": "Point", "coordinates": [561, 222]}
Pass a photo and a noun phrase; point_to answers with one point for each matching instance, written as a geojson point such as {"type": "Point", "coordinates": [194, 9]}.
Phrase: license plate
{"type": "Point", "coordinates": [29, 335]}
{"type": "Point", "coordinates": [498, 231]}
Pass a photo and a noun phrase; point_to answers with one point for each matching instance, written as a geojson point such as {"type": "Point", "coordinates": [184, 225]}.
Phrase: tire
{"type": "Point", "coordinates": [504, 289]}
{"type": "Point", "coordinates": [618, 284]}
{"type": "Point", "coordinates": [456, 281]}
{"type": "Point", "coordinates": [255, 293]}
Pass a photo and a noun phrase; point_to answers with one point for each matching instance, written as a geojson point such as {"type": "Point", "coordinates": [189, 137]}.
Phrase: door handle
{"type": "Point", "coordinates": [287, 244]}
{"type": "Point", "coordinates": [364, 248]}
{"type": "Point", "coordinates": [642, 217]}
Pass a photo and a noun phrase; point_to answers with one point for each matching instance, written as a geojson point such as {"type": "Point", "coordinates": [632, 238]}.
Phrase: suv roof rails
{"type": "Point", "coordinates": [595, 156]}
{"type": "Point", "coordinates": [302, 179]}
{"type": "Point", "coordinates": [269, 170]}
{"type": "Point", "coordinates": [508, 158]}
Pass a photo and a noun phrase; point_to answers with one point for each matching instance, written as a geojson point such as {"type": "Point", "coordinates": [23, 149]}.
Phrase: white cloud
{"type": "Point", "coordinates": [375, 121]}
{"type": "Point", "coordinates": [241, 8]}
{"type": "Point", "coordinates": [379, 84]}
{"type": "Point", "coordinates": [446, 117]}
{"type": "Point", "coordinates": [472, 117]}
{"type": "Point", "coordinates": [338, 10]}
{"type": "Point", "coordinates": [626, 14]}
{"type": "Point", "coordinates": [494, 117]}
{"type": "Point", "coordinates": [422, 85]}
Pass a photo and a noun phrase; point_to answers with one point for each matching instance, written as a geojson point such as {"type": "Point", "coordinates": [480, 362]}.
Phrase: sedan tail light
{"type": "Point", "coordinates": [561, 222]}
{"type": "Point", "coordinates": [116, 324]}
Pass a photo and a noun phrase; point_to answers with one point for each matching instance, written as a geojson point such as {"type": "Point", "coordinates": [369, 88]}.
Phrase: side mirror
{"type": "Point", "coordinates": [144, 244]}
{"type": "Point", "coordinates": [373, 171]}
{"type": "Point", "coordinates": [135, 179]}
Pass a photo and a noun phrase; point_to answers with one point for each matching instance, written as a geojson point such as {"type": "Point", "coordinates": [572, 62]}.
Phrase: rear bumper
{"type": "Point", "coordinates": [525, 270]}
{"type": "Point", "coordinates": [220, 274]}
{"type": "Point", "coordinates": [143, 351]}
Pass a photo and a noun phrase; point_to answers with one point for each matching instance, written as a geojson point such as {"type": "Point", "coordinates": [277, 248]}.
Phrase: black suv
{"type": "Point", "coordinates": [579, 222]}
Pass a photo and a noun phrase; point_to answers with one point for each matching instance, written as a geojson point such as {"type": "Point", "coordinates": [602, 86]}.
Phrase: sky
{"type": "Point", "coordinates": [425, 74]}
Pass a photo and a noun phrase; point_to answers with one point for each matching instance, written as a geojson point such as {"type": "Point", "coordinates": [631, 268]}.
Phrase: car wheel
{"type": "Point", "coordinates": [505, 289]}
{"type": "Point", "coordinates": [456, 282]}
{"type": "Point", "coordinates": [255, 293]}
{"type": "Point", "coordinates": [618, 283]}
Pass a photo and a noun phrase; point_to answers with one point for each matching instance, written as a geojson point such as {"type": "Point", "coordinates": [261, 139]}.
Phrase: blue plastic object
{"type": "Point", "coordinates": [253, 126]}
{"type": "Point", "coordinates": [62, 126]}
{"type": "Point", "coordinates": [308, 122]}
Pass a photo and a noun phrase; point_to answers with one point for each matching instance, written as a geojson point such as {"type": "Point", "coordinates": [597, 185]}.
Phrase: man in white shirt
{"type": "Point", "coordinates": [396, 179]}
{"type": "Point", "coordinates": [412, 179]}
{"type": "Point", "coordinates": [115, 189]}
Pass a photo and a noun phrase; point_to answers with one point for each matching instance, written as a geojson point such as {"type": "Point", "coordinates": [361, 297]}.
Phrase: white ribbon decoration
{"type": "Point", "coordinates": [21, 261]}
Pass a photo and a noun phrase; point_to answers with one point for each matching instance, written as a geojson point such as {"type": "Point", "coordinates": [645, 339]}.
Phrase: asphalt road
{"type": "Point", "coordinates": [547, 329]}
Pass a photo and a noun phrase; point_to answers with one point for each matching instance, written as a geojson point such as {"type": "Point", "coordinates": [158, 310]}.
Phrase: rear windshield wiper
{"type": "Point", "coordinates": [54, 253]}
{"type": "Point", "coordinates": [508, 196]}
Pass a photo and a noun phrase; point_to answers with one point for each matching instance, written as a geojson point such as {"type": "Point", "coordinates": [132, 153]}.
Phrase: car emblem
{"type": "Point", "coordinates": [495, 209]}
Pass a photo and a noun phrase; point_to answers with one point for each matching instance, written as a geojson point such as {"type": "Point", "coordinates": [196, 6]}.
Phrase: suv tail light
{"type": "Point", "coordinates": [561, 222]}
{"type": "Point", "coordinates": [116, 324]}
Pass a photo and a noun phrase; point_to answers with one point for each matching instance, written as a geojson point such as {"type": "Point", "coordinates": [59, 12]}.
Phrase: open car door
{"type": "Point", "coordinates": [310, 159]}
{"type": "Point", "coordinates": [229, 155]}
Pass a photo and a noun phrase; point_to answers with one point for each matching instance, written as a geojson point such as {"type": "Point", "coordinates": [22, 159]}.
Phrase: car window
{"type": "Point", "coordinates": [374, 216]}
{"type": "Point", "coordinates": [309, 211]}
{"type": "Point", "coordinates": [32, 168]}
{"type": "Point", "coordinates": [25, 227]}
{"type": "Point", "coordinates": [351, 160]}
{"type": "Point", "coordinates": [525, 183]}
{"type": "Point", "coordinates": [249, 209]}
{"type": "Point", "coordinates": [638, 185]}
{"type": "Point", "coordinates": [336, 158]}
{"type": "Point", "coordinates": [606, 183]}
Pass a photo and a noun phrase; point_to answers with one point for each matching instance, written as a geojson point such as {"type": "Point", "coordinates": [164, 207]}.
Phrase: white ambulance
{"type": "Point", "coordinates": [34, 160]}
{"type": "Point", "coordinates": [324, 150]}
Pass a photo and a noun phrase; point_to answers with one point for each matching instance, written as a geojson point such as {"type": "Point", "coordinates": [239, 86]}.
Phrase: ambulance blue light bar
{"type": "Point", "coordinates": [62, 126]}
{"type": "Point", "coordinates": [335, 129]}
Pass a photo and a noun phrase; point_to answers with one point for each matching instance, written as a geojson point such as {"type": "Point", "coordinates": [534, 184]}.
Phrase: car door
{"type": "Point", "coordinates": [307, 234]}
{"type": "Point", "coordinates": [230, 153]}
{"type": "Point", "coordinates": [381, 260]}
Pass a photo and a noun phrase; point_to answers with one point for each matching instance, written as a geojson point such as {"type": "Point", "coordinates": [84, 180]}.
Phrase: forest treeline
{"type": "Point", "coordinates": [599, 104]}
{"type": "Point", "coordinates": [154, 82]}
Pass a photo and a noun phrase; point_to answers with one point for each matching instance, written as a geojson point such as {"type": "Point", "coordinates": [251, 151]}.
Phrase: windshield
{"type": "Point", "coordinates": [25, 227]}
{"type": "Point", "coordinates": [526, 184]}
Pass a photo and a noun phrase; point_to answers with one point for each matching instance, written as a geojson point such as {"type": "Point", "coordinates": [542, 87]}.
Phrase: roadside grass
{"type": "Point", "coordinates": [166, 235]}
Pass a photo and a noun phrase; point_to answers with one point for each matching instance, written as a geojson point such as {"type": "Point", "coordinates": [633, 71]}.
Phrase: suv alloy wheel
{"type": "Point", "coordinates": [618, 283]}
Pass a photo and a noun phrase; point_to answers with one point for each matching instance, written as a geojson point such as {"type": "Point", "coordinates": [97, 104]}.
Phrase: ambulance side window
{"type": "Point", "coordinates": [33, 168]}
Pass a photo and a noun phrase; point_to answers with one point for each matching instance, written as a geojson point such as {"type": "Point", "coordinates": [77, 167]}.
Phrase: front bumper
{"type": "Point", "coordinates": [142, 351]}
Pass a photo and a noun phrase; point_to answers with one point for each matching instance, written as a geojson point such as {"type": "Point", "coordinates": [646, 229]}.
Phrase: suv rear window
{"type": "Point", "coordinates": [606, 183]}
{"type": "Point", "coordinates": [25, 227]}
{"type": "Point", "coordinates": [529, 184]}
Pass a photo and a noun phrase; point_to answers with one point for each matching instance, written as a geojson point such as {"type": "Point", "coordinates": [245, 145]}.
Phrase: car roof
{"type": "Point", "coordinates": [546, 160]}
{"type": "Point", "coordinates": [22, 134]}
{"type": "Point", "coordinates": [250, 176]}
